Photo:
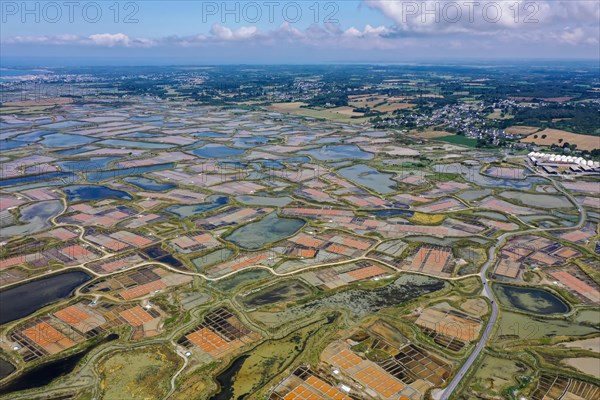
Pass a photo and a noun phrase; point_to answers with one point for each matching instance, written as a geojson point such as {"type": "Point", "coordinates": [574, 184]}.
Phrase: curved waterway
{"type": "Point", "coordinates": [44, 374]}
{"type": "Point", "coordinates": [226, 378]}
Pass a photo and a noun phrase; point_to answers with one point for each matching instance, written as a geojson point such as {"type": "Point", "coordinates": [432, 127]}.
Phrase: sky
{"type": "Point", "coordinates": [296, 32]}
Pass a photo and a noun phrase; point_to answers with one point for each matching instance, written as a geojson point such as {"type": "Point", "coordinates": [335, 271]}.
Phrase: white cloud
{"type": "Point", "coordinates": [242, 33]}
{"type": "Point", "coordinates": [576, 36]}
{"type": "Point", "coordinates": [481, 17]}
{"type": "Point", "coordinates": [110, 40]}
{"type": "Point", "coordinates": [570, 23]}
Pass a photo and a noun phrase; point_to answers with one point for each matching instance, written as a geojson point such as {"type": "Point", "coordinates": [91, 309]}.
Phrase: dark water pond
{"type": "Point", "coordinates": [6, 368]}
{"type": "Point", "coordinates": [77, 193]}
{"type": "Point", "coordinates": [20, 301]}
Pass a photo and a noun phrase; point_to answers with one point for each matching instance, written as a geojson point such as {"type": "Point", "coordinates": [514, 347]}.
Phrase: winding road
{"type": "Point", "coordinates": [488, 292]}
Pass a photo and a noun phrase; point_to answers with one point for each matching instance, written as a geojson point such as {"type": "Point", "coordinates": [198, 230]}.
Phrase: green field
{"type": "Point", "coordinates": [457, 139]}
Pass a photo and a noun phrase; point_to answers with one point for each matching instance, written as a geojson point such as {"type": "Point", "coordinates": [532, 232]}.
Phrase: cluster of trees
{"type": "Point", "coordinates": [333, 99]}
{"type": "Point", "coordinates": [581, 118]}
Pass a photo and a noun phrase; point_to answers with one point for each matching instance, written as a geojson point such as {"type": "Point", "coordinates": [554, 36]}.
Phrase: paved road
{"type": "Point", "coordinates": [488, 292]}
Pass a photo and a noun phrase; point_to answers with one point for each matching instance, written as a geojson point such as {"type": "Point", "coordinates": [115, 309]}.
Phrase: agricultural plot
{"type": "Point", "coordinates": [230, 217]}
{"type": "Point", "coordinates": [404, 372]}
{"type": "Point", "coordinates": [304, 384]}
{"type": "Point", "coordinates": [554, 387]}
{"type": "Point", "coordinates": [75, 324]}
{"type": "Point", "coordinates": [243, 261]}
{"type": "Point", "coordinates": [522, 251]}
{"type": "Point", "coordinates": [72, 253]}
{"type": "Point", "coordinates": [580, 236]}
{"type": "Point", "coordinates": [431, 260]}
{"type": "Point", "coordinates": [219, 334]}
{"type": "Point", "coordinates": [449, 327]}
{"type": "Point", "coordinates": [578, 283]}
{"type": "Point", "coordinates": [321, 248]}
{"type": "Point", "coordinates": [193, 242]}
{"type": "Point", "coordinates": [549, 137]}
{"type": "Point", "coordinates": [364, 372]}
{"type": "Point", "coordinates": [334, 277]}
{"type": "Point", "coordinates": [442, 205]}
{"type": "Point", "coordinates": [115, 263]}
{"type": "Point", "coordinates": [44, 336]}
{"type": "Point", "coordinates": [442, 188]}
{"type": "Point", "coordinates": [103, 216]}
{"type": "Point", "coordinates": [118, 241]}
{"type": "Point", "coordinates": [492, 203]}
{"type": "Point", "coordinates": [137, 283]}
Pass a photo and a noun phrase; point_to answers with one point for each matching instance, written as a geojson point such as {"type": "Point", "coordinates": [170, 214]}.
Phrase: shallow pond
{"type": "Point", "coordinates": [97, 176]}
{"type": "Point", "coordinates": [64, 124]}
{"type": "Point", "coordinates": [40, 178]}
{"type": "Point", "coordinates": [589, 316]}
{"type": "Point", "coordinates": [217, 150]}
{"type": "Point", "coordinates": [149, 184]}
{"type": "Point", "coordinates": [270, 229]}
{"type": "Point", "coordinates": [469, 195]}
{"type": "Point", "coordinates": [253, 141]}
{"type": "Point", "coordinates": [150, 118]}
{"type": "Point", "coordinates": [134, 144]}
{"type": "Point", "coordinates": [141, 135]}
{"type": "Point", "coordinates": [265, 201]}
{"type": "Point", "coordinates": [538, 200]}
{"type": "Point", "coordinates": [240, 279]}
{"type": "Point", "coordinates": [33, 136]}
{"type": "Point", "coordinates": [370, 178]}
{"type": "Point", "coordinates": [11, 144]}
{"type": "Point", "coordinates": [536, 301]}
{"type": "Point", "coordinates": [91, 164]}
{"type": "Point", "coordinates": [65, 140]}
{"type": "Point", "coordinates": [471, 174]}
{"type": "Point", "coordinates": [77, 150]}
{"type": "Point", "coordinates": [35, 218]}
{"type": "Point", "coordinates": [516, 326]}
{"type": "Point", "coordinates": [191, 210]}
{"type": "Point", "coordinates": [212, 258]}
{"type": "Point", "coordinates": [78, 193]}
{"type": "Point", "coordinates": [209, 134]}
{"type": "Point", "coordinates": [278, 293]}
{"type": "Point", "coordinates": [491, 215]}
{"type": "Point", "coordinates": [339, 152]}
{"type": "Point", "coordinates": [388, 213]}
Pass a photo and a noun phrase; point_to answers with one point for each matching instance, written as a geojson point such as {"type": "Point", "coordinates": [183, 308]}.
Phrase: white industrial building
{"type": "Point", "coordinates": [551, 161]}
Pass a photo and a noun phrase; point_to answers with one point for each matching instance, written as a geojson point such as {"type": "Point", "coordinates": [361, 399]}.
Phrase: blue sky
{"type": "Point", "coordinates": [174, 32]}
